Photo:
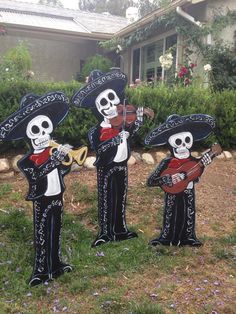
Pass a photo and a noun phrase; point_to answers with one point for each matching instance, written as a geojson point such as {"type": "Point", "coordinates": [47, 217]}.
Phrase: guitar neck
{"type": "Point", "coordinates": [211, 153]}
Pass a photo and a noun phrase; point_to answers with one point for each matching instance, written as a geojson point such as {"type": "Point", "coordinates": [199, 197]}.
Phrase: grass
{"type": "Point", "coordinates": [91, 272]}
{"type": "Point", "coordinates": [128, 277]}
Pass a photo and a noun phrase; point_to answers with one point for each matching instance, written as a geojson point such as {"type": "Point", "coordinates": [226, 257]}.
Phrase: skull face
{"type": "Point", "coordinates": [181, 144]}
{"type": "Point", "coordinates": [38, 131]}
{"type": "Point", "coordinates": [106, 103]}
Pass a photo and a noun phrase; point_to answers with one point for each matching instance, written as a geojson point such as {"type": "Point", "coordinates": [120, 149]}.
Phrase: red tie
{"type": "Point", "coordinates": [39, 159]}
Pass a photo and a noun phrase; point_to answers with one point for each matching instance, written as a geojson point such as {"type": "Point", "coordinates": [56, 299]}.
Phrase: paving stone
{"type": "Point", "coordinates": [131, 161]}
{"type": "Point", "coordinates": [14, 162]}
{"type": "Point", "coordinates": [148, 159]}
{"type": "Point", "coordinates": [4, 164]}
{"type": "Point", "coordinates": [89, 162]}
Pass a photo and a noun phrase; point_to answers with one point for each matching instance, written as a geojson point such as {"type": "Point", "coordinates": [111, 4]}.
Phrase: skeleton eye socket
{"type": "Point", "coordinates": [103, 102]}
{"type": "Point", "coordinates": [178, 141]}
{"type": "Point", "coordinates": [111, 96]}
{"type": "Point", "coordinates": [45, 124]}
{"type": "Point", "coordinates": [35, 129]}
{"type": "Point", "coordinates": [187, 139]}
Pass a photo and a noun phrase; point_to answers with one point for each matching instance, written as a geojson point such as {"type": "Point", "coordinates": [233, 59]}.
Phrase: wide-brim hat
{"type": "Point", "coordinates": [55, 105]}
{"type": "Point", "coordinates": [97, 82]}
{"type": "Point", "coordinates": [199, 125]}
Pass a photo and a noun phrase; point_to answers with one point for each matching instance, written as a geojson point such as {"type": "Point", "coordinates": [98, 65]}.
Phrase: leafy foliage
{"type": "Point", "coordinates": [223, 62]}
{"type": "Point", "coordinates": [16, 64]}
{"type": "Point", "coordinates": [162, 99]}
{"type": "Point", "coordinates": [55, 3]}
{"type": "Point", "coordinates": [166, 101]}
{"type": "Point", "coordinates": [73, 129]}
{"type": "Point", "coordinates": [98, 62]}
{"type": "Point", "coordinates": [115, 7]}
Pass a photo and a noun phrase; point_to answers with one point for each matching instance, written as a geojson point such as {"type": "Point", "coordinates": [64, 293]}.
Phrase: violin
{"type": "Point", "coordinates": [127, 115]}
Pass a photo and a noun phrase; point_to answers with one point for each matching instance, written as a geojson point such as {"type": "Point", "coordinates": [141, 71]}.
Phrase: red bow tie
{"type": "Point", "coordinates": [39, 159]}
{"type": "Point", "coordinates": [108, 133]}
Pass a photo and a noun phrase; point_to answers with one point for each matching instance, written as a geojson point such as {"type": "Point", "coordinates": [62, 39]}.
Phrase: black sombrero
{"type": "Point", "coordinates": [55, 105]}
{"type": "Point", "coordinates": [97, 82]}
{"type": "Point", "coordinates": [200, 125]}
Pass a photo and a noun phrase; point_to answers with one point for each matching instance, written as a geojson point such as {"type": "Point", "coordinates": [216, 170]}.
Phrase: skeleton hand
{"type": "Point", "coordinates": [139, 113]}
{"type": "Point", "coordinates": [166, 180]}
{"type": "Point", "coordinates": [123, 135]}
{"type": "Point", "coordinates": [62, 151]}
{"type": "Point", "coordinates": [206, 159]}
{"type": "Point", "coordinates": [178, 177]}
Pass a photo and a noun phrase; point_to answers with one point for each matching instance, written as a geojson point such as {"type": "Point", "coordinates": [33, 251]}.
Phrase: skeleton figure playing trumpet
{"type": "Point", "coordinates": [44, 166]}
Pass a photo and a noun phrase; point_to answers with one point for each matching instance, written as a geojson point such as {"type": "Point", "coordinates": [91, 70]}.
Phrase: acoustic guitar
{"type": "Point", "coordinates": [189, 171]}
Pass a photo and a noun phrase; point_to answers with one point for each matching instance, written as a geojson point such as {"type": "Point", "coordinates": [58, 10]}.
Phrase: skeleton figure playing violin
{"type": "Point", "coordinates": [118, 121]}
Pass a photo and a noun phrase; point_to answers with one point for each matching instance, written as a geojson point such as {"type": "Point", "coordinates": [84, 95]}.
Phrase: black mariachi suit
{"type": "Point", "coordinates": [112, 180]}
{"type": "Point", "coordinates": [47, 217]}
{"type": "Point", "coordinates": [179, 212]}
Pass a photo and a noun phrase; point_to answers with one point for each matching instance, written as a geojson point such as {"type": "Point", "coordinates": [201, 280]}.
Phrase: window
{"type": "Point", "coordinates": [146, 64]}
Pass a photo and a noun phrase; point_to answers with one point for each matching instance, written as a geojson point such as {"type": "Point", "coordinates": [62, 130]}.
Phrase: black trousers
{"type": "Point", "coordinates": [179, 218]}
{"type": "Point", "coordinates": [112, 191]}
{"type": "Point", "coordinates": [47, 235]}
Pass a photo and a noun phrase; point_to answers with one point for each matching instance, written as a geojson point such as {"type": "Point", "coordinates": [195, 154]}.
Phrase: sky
{"type": "Point", "coordinates": [71, 4]}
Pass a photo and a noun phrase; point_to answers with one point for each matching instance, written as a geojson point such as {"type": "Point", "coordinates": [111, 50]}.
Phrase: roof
{"type": "Point", "coordinates": [45, 17]}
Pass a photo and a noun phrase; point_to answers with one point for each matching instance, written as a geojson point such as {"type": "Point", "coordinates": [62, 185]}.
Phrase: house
{"type": "Point", "coordinates": [148, 38]}
{"type": "Point", "coordinates": [59, 39]}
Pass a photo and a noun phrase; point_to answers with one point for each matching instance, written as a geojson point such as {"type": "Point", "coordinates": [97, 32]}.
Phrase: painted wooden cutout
{"type": "Point", "coordinates": [44, 166]}
{"type": "Point", "coordinates": [104, 95]}
{"type": "Point", "coordinates": [177, 174]}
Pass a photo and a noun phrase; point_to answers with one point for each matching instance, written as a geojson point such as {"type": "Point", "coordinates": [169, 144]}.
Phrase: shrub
{"type": "Point", "coordinates": [16, 64]}
{"type": "Point", "coordinates": [166, 101]}
{"type": "Point", "coordinates": [96, 62]}
{"type": "Point", "coordinates": [163, 100]}
{"type": "Point", "coordinates": [73, 129]}
{"type": "Point", "coordinates": [223, 61]}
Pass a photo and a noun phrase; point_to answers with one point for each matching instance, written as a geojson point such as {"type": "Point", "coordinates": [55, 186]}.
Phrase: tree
{"type": "Point", "coordinates": [147, 6]}
{"type": "Point", "coordinates": [54, 3]}
{"type": "Point", "coordinates": [115, 7]}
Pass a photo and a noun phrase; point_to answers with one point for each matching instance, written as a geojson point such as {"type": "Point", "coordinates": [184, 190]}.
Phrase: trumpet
{"type": "Point", "coordinates": [78, 155]}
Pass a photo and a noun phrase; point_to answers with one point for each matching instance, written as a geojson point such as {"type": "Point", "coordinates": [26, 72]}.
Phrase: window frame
{"type": "Point", "coordinates": [150, 41]}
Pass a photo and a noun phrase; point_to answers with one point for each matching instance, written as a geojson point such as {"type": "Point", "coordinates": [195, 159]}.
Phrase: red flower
{"type": "Point", "coordinates": [186, 81]}
{"type": "Point", "coordinates": [192, 65]}
{"type": "Point", "coordinates": [184, 70]}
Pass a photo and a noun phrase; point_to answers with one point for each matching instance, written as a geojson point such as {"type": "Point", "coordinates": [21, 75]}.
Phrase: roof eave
{"type": "Point", "coordinates": [148, 18]}
{"type": "Point", "coordinates": [89, 35]}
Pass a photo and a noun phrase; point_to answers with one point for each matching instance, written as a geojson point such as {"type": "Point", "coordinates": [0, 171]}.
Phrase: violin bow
{"type": "Point", "coordinates": [124, 114]}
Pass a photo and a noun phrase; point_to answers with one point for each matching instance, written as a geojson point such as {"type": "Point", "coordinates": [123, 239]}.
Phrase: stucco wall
{"type": "Point", "coordinates": [53, 59]}
{"type": "Point", "coordinates": [222, 6]}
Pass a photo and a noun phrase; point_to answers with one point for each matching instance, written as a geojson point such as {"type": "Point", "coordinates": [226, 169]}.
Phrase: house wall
{"type": "Point", "coordinates": [204, 12]}
{"type": "Point", "coordinates": [54, 58]}
{"type": "Point", "coordinates": [222, 6]}
{"type": "Point", "coordinates": [126, 63]}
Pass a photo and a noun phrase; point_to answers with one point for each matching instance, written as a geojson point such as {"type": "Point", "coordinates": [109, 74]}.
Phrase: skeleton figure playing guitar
{"type": "Point", "coordinates": [177, 174]}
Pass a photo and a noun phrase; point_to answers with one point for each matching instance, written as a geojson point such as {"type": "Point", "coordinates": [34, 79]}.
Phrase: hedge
{"type": "Point", "coordinates": [163, 100]}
